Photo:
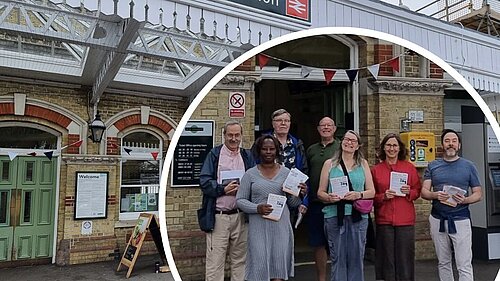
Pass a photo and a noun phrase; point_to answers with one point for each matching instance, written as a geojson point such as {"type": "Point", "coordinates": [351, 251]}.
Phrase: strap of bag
{"type": "Point", "coordinates": [342, 164]}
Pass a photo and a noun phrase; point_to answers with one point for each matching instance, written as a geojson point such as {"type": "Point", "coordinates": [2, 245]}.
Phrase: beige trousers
{"type": "Point", "coordinates": [229, 236]}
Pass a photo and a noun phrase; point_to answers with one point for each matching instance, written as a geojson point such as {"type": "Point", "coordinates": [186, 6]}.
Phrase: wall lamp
{"type": "Point", "coordinates": [97, 128]}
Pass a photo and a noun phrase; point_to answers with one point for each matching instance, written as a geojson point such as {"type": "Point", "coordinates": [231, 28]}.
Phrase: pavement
{"type": "Point", "coordinates": [144, 270]}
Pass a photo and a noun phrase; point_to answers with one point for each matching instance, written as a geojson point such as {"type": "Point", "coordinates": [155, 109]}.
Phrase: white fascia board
{"type": "Point", "coordinates": [139, 77]}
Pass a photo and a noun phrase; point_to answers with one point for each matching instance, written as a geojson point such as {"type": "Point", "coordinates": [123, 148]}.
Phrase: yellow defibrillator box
{"type": "Point", "coordinates": [421, 147]}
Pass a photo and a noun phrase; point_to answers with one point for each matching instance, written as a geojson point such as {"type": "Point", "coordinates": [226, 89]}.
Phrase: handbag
{"type": "Point", "coordinates": [364, 206]}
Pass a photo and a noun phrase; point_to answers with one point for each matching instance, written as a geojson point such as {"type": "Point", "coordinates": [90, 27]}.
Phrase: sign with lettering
{"type": "Point", "coordinates": [197, 139]}
{"type": "Point", "coordinates": [146, 222]}
{"type": "Point", "coordinates": [292, 8]}
{"type": "Point", "coordinates": [91, 195]}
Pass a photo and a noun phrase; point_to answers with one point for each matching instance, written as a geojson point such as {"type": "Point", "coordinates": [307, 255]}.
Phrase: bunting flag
{"type": "Point", "coordinates": [114, 145]}
{"type": "Point", "coordinates": [394, 63]}
{"type": "Point", "coordinates": [32, 154]}
{"type": "Point", "coordinates": [128, 150]}
{"type": "Point", "coordinates": [374, 70]}
{"type": "Point", "coordinates": [77, 144]}
{"type": "Point", "coordinates": [263, 59]}
{"type": "Point", "coordinates": [283, 65]}
{"type": "Point", "coordinates": [155, 155]}
{"type": "Point", "coordinates": [12, 155]}
{"type": "Point", "coordinates": [305, 71]}
{"type": "Point", "coordinates": [328, 75]}
{"type": "Point", "coordinates": [49, 154]}
{"type": "Point", "coordinates": [352, 73]}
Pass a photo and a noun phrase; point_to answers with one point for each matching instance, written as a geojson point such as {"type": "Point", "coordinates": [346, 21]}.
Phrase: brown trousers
{"type": "Point", "coordinates": [395, 253]}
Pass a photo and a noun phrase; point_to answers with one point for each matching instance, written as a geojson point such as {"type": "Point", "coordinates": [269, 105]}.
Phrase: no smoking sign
{"type": "Point", "coordinates": [237, 105]}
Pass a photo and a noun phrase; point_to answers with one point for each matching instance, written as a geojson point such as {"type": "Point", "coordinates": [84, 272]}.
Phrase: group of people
{"type": "Point", "coordinates": [234, 210]}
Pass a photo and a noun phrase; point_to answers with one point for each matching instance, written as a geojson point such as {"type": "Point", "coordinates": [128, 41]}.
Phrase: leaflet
{"type": "Point", "coordinates": [340, 186]}
{"type": "Point", "coordinates": [291, 184]}
{"type": "Point", "coordinates": [278, 203]}
{"type": "Point", "coordinates": [452, 190]}
{"type": "Point", "coordinates": [227, 177]}
{"type": "Point", "coordinates": [397, 181]}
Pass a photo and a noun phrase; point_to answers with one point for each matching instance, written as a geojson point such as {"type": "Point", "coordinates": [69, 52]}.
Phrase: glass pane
{"type": "Point", "coordinates": [25, 137]}
{"type": "Point", "coordinates": [5, 170]}
{"type": "Point", "coordinates": [140, 172]}
{"type": "Point", "coordinates": [132, 200]}
{"type": "Point", "coordinates": [27, 206]}
{"type": "Point", "coordinates": [29, 171]}
{"type": "Point", "coordinates": [141, 139]}
{"type": "Point", "coordinates": [3, 206]}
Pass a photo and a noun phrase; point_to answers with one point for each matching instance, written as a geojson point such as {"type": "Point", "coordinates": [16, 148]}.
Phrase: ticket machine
{"type": "Point", "coordinates": [480, 145]}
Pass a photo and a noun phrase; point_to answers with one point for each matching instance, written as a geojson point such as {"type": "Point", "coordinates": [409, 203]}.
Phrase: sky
{"type": "Point", "coordinates": [415, 4]}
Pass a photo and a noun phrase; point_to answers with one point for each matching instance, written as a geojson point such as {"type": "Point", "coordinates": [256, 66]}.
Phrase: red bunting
{"type": "Point", "coordinates": [394, 63]}
{"type": "Point", "coordinates": [328, 75]}
{"type": "Point", "coordinates": [263, 60]}
{"type": "Point", "coordinates": [77, 144]}
{"type": "Point", "coordinates": [32, 153]}
{"type": "Point", "coordinates": [155, 155]}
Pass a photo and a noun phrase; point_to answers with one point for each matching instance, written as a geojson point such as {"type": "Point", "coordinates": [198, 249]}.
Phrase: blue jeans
{"type": "Point", "coordinates": [347, 248]}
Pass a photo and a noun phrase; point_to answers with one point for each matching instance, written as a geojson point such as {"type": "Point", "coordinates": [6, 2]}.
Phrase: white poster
{"type": "Point", "coordinates": [91, 195]}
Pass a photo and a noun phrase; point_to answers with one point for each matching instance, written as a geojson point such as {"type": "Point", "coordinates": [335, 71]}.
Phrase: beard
{"type": "Point", "coordinates": [451, 152]}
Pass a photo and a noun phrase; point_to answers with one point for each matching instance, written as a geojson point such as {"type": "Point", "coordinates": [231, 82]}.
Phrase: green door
{"type": "Point", "coordinates": [27, 200]}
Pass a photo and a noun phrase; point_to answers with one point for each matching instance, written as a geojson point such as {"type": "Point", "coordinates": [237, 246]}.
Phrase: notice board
{"type": "Point", "coordinates": [91, 195]}
{"type": "Point", "coordinates": [196, 141]}
{"type": "Point", "coordinates": [146, 222]}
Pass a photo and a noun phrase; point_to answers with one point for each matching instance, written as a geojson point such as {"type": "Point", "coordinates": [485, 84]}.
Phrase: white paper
{"type": "Point", "coordinates": [452, 190]}
{"type": "Point", "coordinates": [397, 181]}
{"type": "Point", "coordinates": [86, 228]}
{"type": "Point", "coordinates": [299, 220]}
{"type": "Point", "coordinates": [278, 202]}
{"type": "Point", "coordinates": [291, 184]}
{"type": "Point", "coordinates": [340, 186]}
{"type": "Point", "coordinates": [228, 176]}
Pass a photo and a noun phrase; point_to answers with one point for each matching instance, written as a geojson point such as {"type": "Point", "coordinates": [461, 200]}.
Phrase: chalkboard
{"type": "Point", "coordinates": [144, 223]}
{"type": "Point", "coordinates": [196, 141]}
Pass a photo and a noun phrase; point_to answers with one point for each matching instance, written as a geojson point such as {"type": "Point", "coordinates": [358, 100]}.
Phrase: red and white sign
{"type": "Point", "coordinates": [237, 105]}
{"type": "Point", "coordinates": [298, 9]}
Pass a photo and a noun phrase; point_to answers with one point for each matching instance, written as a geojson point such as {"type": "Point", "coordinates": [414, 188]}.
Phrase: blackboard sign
{"type": "Point", "coordinates": [197, 139]}
{"type": "Point", "coordinates": [300, 9]}
{"type": "Point", "coordinates": [144, 223]}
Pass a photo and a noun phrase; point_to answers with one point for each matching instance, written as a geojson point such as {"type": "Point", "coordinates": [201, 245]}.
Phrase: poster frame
{"type": "Point", "coordinates": [103, 201]}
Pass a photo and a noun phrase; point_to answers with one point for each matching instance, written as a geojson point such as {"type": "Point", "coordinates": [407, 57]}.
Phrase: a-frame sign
{"type": "Point", "coordinates": [144, 223]}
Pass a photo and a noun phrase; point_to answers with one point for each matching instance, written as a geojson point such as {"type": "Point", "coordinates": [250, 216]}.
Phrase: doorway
{"type": "Point", "coordinates": [27, 208]}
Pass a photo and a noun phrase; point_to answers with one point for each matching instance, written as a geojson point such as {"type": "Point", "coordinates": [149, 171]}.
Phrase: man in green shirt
{"type": "Point", "coordinates": [316, 155]}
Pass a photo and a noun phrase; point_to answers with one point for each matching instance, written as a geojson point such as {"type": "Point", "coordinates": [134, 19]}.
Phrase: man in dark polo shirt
{"type": "Point", "coordinates": [316, 155]}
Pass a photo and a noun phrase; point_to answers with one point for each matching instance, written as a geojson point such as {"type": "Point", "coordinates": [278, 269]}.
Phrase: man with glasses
{"type": "Point", "coordinates": [219, 217]}
{"type": "Point", "coordinates": [452, 183]}
{"type": "Point", "coordinates": [316, 155]}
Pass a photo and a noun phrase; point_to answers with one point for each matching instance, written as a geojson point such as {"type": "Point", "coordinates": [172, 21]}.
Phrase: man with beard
{"type": "Point", "coordinates": [316, 155]}
{"type": "Point", "coordinates": [450, 219]}
{"type": "Point", "coordinates": [219, 217]}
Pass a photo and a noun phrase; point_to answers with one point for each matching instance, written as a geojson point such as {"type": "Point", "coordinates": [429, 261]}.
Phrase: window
{"type": "Point", "coordinates": [26, 137]}
{"type": "Point", "coordinates": [140, 174]}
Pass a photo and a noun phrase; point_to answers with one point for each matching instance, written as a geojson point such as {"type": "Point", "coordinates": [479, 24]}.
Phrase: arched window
{"type": "Point", "coordinates": [140, 174]}
{"type": "Point", "coordinates": [26, 138]}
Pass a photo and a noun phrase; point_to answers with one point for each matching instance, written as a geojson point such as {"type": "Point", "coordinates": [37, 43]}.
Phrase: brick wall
{"type": "Point", "coordinates": [73, 247]}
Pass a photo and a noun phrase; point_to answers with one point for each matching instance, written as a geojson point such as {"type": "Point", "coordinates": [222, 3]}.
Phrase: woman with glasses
{"type": "Point", "coordinates": [345, 227]}
{"type": "Point", "coordinates": [397, 185]}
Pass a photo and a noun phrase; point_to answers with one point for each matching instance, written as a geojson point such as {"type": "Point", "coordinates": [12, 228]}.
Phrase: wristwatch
{"type": "Point", "coordinates": [361, 195]}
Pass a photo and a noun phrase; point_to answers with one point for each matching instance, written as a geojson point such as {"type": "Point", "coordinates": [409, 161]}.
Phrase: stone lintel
{"type": "Point", "coordinates": [239, 80]}
{"type": "Point", "coordinates": [409, 86]}
{"type": "Point", "coordinates": [91, 159]}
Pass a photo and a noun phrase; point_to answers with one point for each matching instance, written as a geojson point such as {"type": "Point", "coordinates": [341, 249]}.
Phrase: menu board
{"type": "Point", "coordinates": [91, 195]}
{"type": "Point", "coordinates": [196, 141]}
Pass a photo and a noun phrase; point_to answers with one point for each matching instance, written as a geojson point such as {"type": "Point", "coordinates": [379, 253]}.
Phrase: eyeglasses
{"type": "Point", "coordinates": [391, 145]}
{"type": "Point", "coordinates": [326, 125]}
{"type": "Point", "coordinates": [350, 140]}
{"type": "Point", "coordinates": [286, 121]}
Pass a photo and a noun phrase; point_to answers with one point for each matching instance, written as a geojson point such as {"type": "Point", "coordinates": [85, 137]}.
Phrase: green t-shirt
{"type": "Point", "coordinates": [316, 155]}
